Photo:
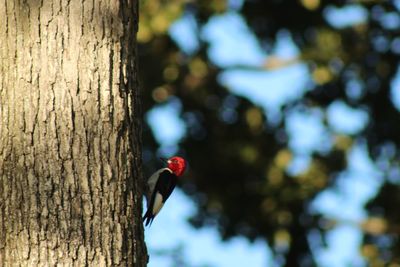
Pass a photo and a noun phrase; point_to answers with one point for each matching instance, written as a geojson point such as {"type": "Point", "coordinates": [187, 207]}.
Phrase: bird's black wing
{"type": "Point", "coordinates": [165, 185]}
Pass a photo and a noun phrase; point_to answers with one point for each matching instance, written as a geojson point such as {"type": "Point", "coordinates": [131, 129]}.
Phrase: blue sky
{"type": "Point", "coordinates": [270, 90]}
{"type": "Point", "coordinates": [201, 247]}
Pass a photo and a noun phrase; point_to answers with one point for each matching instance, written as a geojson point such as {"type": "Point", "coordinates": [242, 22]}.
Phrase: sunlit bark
{"type": "Point", "coordinates": [70, 173]}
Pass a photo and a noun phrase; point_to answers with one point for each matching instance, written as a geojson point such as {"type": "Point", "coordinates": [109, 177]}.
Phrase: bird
{"type": "Point", "coordinates": [160, 186]}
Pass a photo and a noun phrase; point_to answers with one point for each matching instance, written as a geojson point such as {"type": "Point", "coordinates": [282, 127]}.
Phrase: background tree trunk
{"type": "Point", "coordinates": [70, 149]}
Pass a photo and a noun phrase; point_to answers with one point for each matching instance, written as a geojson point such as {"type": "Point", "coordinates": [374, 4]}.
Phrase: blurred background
{"type": "Point", "coordinates": [288, 113]}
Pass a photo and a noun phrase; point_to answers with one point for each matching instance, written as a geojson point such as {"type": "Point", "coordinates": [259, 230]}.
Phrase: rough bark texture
{"type": "Point", "coordinates": [70, 173]}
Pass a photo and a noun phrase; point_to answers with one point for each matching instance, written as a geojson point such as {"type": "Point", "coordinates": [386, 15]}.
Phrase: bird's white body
{"type": "Point", "coordinates": [151, 183]}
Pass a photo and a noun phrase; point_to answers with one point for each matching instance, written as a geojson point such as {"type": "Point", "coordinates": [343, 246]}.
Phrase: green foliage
{"type": "Point", "coordinates": [239, 159]}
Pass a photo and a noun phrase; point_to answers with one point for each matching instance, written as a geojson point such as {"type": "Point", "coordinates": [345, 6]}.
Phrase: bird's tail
{"type": "Point", "coordinates": [148, 218]}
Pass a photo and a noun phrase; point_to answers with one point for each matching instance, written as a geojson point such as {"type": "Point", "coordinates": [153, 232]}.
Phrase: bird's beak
{"type": "Point", "coordinates": [164, 160]}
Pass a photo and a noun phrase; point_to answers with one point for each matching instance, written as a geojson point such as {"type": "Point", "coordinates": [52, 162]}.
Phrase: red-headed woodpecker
{"type": "Point", "coordinates": [160, 186]}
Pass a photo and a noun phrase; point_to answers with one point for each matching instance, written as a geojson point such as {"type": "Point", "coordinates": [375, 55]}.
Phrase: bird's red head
{"type": "Point", "coordinates": [177, 165]}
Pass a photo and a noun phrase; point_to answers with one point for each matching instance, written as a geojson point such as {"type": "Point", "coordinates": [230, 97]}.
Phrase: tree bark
{"type": "Point", "coordinates": [70, 134]}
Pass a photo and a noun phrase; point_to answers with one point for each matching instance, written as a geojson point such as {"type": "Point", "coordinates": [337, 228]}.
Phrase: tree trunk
{"type": "Point", "coordinates": [70, 125]}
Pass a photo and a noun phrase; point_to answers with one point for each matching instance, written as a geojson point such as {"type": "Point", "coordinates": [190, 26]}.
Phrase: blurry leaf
{"type": "Point", "coordinates": [156, 16]}
{"type": "Point", "coordinates": [198, 68]}
{"type": "Point", "coordinates": [322, 75]}
{"type": "Point", "coordinates": [369, 251]}
{"type": "Point", "coordinates": [310, 4]}
{"type": "Point", "coordinates": [276, 62]}
{"type": "Point", "coordinates": [374, 225]}
{"type": "Point", "coordinates": [283, 158]}
{"type": "Point", "coordinates": [343, 142]}
{"type": "Point", "coordinates": [254, 119]}
{"type": "Point", "coordinates": [282, 239]}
